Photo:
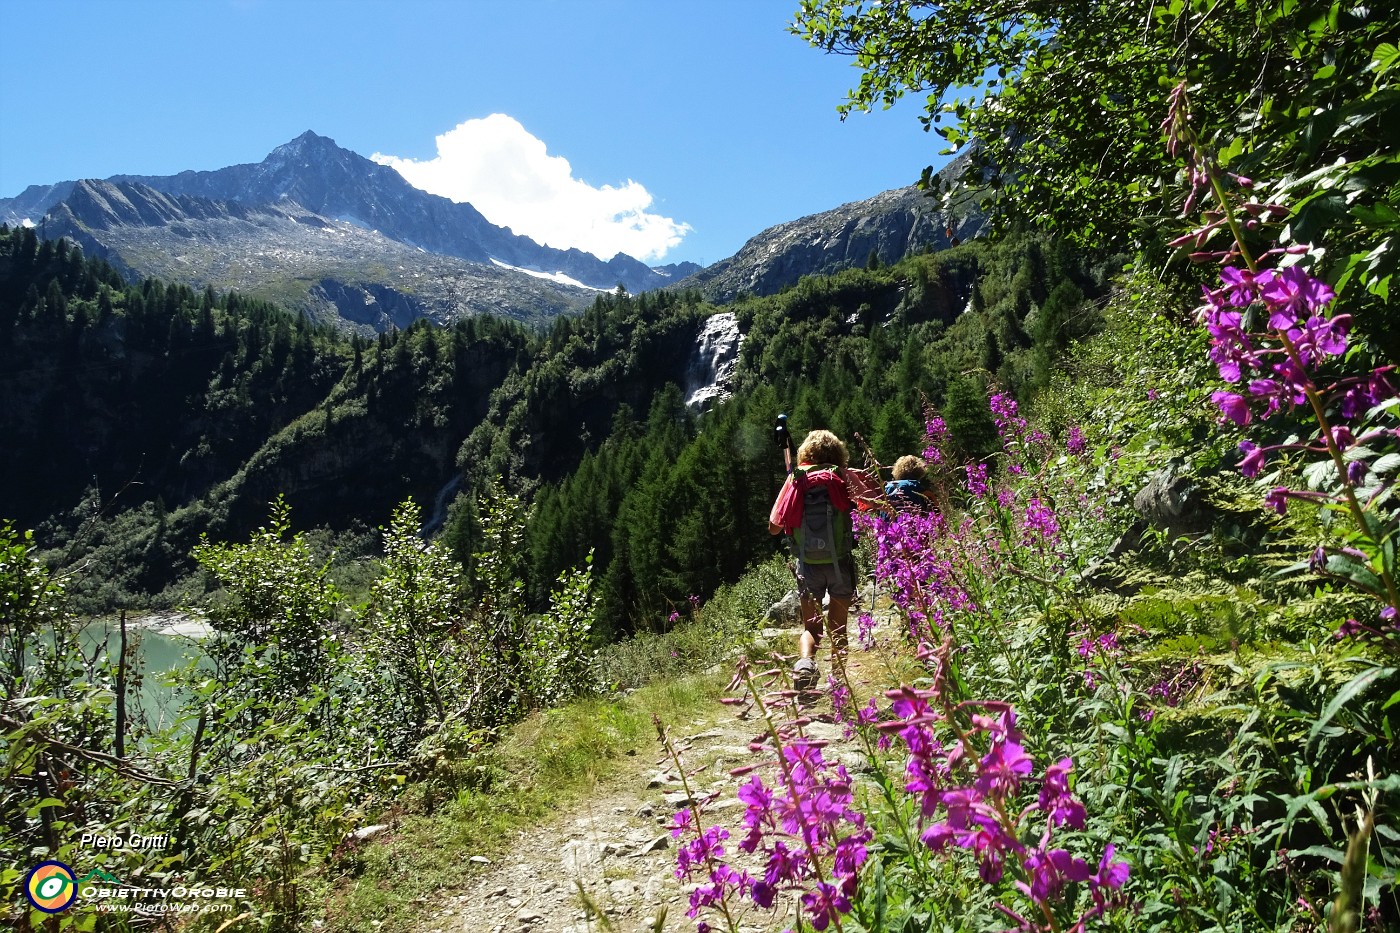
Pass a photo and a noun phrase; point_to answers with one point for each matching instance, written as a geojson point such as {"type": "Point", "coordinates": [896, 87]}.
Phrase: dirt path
{"type": "Point", "coordinates": [617, 847]}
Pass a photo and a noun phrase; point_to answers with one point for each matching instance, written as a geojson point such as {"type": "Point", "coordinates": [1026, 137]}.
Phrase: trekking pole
{"type": "Point", "coordinates": [783, 438]}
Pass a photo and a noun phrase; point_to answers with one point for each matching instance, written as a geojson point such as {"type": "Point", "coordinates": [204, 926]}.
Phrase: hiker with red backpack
{"type": "Point", "coordinates": [814, 507]}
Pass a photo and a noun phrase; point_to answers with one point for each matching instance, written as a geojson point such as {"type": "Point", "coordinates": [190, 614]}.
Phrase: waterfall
{"type": "Point", "coordinates": [441, 502]}
{"type": "Point", "coordinates": [712, 364]}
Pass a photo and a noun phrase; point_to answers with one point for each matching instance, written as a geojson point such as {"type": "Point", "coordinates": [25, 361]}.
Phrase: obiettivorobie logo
{"type": "Point", "coordinates": [52, 888]}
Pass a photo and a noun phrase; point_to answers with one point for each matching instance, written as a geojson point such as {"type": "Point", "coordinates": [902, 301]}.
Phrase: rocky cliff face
{"type": "Point", "coordinates": [890, 226]}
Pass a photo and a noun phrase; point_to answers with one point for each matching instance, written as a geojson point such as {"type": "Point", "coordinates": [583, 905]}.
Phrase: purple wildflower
{"type": "Point", "coordinates": [1290, 293]}
{"type": "Point", "coordinates": [1056, 799]}
{"type": "Point", "coordinates": [1040, 524]}
{"type": "Point", "coordinates": [1232, 406]}
{"type": "Point", "coordinates": [977, 479]}
{"type": "Point", "coordinates": [1253, 460]}
{"type": "Point", "coordinates": [1076, 443]}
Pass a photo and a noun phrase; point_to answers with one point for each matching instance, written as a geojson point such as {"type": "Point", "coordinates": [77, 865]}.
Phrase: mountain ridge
{"type": "Point", "coordinates": [286, 253]}
{"type": "Point", "coordinates": [312, 174]}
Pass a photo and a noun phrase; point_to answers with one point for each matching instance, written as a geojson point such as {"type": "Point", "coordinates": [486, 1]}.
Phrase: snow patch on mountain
{"type": "Point", "coordinates": [558, 277]}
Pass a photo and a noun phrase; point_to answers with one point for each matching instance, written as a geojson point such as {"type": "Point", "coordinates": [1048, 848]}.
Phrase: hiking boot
{"type": "Point", "coordinates": [804, 674]}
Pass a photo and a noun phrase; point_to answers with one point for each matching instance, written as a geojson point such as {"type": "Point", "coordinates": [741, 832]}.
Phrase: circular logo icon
{"type": "Point", "coordinates": [50, 887]}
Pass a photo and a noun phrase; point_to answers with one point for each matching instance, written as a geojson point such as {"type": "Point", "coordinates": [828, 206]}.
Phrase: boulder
{"type": "Point", "coordinates": [785, 611]}
{"type": "Point", "coordinates": [1173, 503]}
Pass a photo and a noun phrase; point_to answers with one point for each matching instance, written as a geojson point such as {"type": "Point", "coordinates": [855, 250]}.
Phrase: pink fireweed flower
{"type": "Point", "coordinates": [913, 706]}
{"type": "Point", "coordinates": [1040, 524]}
{"type": "Point", "coordinates": [1234, 407]}
{"type": "Point", "coordinates": [1253, 460]}
{"type": "Point", "coordinates": [1342, 436]}
{"type": "Point", "coordinates": [985, 818]}
{"type": "Point", "coordinates": [977, 479]}
{"type": "Point", "coordinates": [1076, 443]}
{"type": "Point", "coordinates": [1362, 394]}
{"type": "Point", "coordinates": [1318, 337]}
{"type": "Point", "coordinates": [1050, 871]}
{"type": "Point", "coordinates": [1009, 424]}
{"type": "Point", "coordinates": [936, 433]}
{"type": "Point", "coordinates": [807, 814]}
{"type": "Point", "coordinates": [700, 852]}
{"type": "Point", "coordinates": [1240, 288]}
{"type": "Point", "coordinates": [1055, 797]}
{"type": "Point", "coordinates": [1001, 769]}
{"type": "Point", "coordinates": [1274, 393]}
{"type": "Point", "coordinates": [1112, 874]}
{"type": "Point", "coordinates": [823, 902]}
{"type": "Point", "coordinates": [1291, 293]}
{"type": "Point", "coordinates": [865, 631]}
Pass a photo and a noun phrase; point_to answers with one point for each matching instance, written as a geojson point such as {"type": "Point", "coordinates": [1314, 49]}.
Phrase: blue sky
{"type": "Point", "coordinates": [678, 129]}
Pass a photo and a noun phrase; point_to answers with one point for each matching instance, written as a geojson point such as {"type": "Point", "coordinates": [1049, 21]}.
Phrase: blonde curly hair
{"type": "Point", "coordinates": [822, 446]}
{"type": "Point", "coordinates": [910, 467]}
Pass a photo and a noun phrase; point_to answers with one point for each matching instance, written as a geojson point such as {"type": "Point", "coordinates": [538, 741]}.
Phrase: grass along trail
{"type": "Point", "coordinates": [599, 855]}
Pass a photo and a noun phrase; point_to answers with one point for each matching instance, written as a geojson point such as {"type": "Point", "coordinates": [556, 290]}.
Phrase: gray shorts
{"type": "Point", "coordinates": [815, 581]}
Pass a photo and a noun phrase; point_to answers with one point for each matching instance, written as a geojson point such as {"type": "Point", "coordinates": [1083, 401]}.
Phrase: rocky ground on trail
{"type": "Point", "coordinates": [616, 849]}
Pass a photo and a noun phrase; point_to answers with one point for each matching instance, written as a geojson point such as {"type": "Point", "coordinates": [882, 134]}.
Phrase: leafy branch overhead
{"type": "Point", "coordinates": [1059, 104]}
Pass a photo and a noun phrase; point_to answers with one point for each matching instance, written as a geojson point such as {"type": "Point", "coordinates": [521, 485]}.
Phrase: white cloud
{"type": "Point", "coordinates": [507, 174]}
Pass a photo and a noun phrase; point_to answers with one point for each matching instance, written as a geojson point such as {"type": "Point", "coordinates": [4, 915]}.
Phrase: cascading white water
{"type": "Point", "coordinates": [712, 364]}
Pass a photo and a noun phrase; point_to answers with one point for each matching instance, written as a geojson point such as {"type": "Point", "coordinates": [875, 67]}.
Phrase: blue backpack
{"type": "Point", "coordinates": [906, 494]}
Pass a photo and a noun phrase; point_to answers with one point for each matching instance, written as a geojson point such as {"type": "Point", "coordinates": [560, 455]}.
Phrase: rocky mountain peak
{"type": "Point", "coordinates": [310, 141]}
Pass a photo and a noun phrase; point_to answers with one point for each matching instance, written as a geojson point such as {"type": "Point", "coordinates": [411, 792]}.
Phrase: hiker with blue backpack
{"type": "Point", "coordinates": [905, 490]}
{"type": "Point", "coordinates": [814, 507]}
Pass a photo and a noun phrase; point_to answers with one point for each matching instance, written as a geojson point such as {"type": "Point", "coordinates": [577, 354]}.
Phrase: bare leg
{"type": "Point", "coordinates": [836, 614]}
{"type": "Point", "coordinates": [811, 628]}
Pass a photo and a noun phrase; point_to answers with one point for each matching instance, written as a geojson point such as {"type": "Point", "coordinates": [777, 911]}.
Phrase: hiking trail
{"type": "Point", "coordinates": [616, 845]}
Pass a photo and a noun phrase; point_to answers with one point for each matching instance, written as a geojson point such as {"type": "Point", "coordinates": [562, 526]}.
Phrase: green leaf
{"type": "Point", "coordinates": [43, 805]}
{"type": "Point", "coordinates": [1385, 57]}
{"type": "Point", "coordinates": [1386, 464]}
{"type": "Point", "coordinates": [880, 898]}
{"type": "Point", "coordinates": [1355, 572]}
{"type": "Point", "coordinates": [1232, 151]}
{"type": "Point", "coordinates": [1353, 688]}
{"type": "Point", "coordinates": [1327, 852]}
{"type": "Point", "coordinates": [1173, 775]}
